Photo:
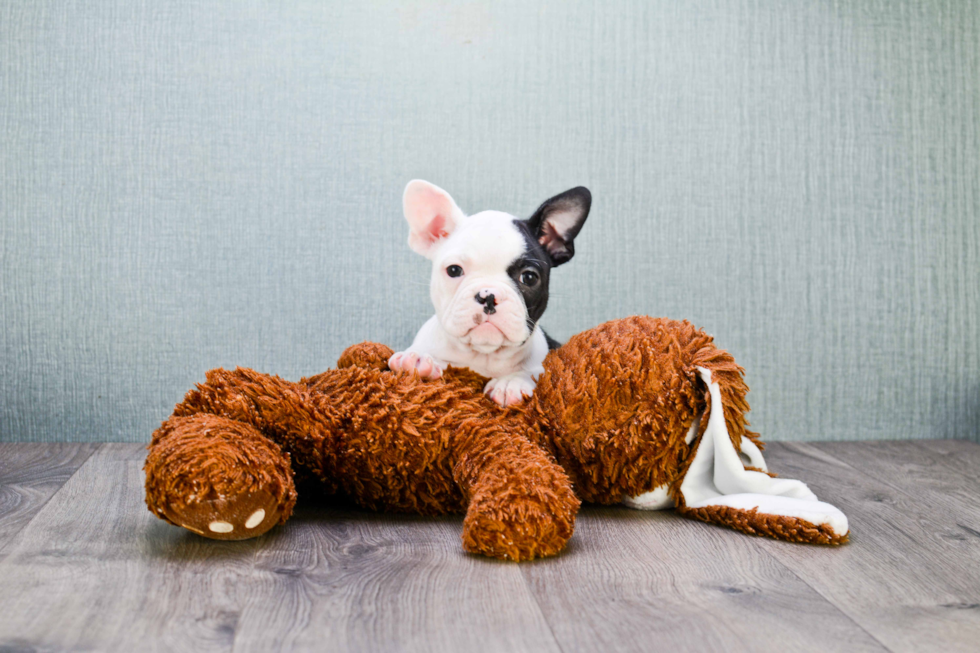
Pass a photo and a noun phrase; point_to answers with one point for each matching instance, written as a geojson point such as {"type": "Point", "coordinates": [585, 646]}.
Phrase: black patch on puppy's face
{"type": "Point", "coordinates": [536, 260]}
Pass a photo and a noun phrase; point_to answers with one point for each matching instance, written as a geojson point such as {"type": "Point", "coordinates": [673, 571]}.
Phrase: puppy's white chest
{"type": "Point", "coordinates": [493, 365]}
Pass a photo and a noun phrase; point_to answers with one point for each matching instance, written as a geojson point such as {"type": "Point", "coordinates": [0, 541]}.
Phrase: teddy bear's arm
{"type": "Point", "coordinates": [521, 504]}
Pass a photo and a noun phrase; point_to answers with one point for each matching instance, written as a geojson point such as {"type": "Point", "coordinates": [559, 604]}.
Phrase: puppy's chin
{"type": "Point", "coordinates": [485, 339]}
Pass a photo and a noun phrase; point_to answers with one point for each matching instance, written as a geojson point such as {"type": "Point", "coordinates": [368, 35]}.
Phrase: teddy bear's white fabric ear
{"type": "Point", "coordinates": [431, 214]}
{"type": "Point", "coordinates": [717, 483]}
{"type": "Point", "coordinates": [717, 477]}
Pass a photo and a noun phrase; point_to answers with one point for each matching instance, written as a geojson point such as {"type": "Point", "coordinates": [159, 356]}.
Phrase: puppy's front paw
{"type": "Point", "coordinates": [407, 361]}
{"type": "Point", "coordinates": [511, 389]}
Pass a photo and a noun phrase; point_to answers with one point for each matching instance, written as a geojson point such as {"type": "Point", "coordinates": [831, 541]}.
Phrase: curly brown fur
{"type": "Point", "coordinates": [207, 471]}
{"type": "Point", "coordinates": [367, 354]}
{"type": "Point", "coordinates": [608, 418]}
{"type": "Point", "coordinates": [388, 441]}
{"type": "Point", "coordinates": [617, 401]}
{"type": "Point", "coordinates": [790, 529]}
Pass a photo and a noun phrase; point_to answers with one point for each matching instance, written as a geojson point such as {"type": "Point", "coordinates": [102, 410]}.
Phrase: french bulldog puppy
{"type": "Point", "coordinates": [489, 286]}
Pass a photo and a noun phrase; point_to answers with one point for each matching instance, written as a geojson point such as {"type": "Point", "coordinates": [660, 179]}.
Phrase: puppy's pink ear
{"type": "Point", "coordinates": [431, 213]}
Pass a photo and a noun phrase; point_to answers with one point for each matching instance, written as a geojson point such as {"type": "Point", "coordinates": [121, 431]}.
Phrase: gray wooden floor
{"type": "Point", "coordinates": [84, 566]}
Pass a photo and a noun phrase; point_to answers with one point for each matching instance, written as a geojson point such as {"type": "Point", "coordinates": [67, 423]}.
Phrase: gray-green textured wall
{"type": "Point", "coordinates": [185, 185]}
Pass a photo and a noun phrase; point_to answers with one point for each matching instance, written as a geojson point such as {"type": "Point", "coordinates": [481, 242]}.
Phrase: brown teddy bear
{"type": "Point", "coordinates": [641, 411]}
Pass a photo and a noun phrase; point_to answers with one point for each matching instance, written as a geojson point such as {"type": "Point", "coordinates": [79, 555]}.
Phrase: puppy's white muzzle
{"type": "Point", "coordinates": [486, 314]}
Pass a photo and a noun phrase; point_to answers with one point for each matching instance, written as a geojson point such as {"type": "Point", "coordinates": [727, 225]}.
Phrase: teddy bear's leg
{"type": "Point", "coordinates": [218, 477]}
{"type": "Point", "coordinates": [521, 503]}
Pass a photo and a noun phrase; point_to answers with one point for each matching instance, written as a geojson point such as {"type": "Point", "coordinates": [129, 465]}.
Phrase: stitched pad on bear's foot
{"type": "Point", "coordinates": [237, 518]}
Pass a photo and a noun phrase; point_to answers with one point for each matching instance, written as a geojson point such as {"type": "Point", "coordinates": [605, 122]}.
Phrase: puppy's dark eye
{"type": "Point", "coordinates": [454, 271]}
{"type": "Point", "coordinates": [530, 278]}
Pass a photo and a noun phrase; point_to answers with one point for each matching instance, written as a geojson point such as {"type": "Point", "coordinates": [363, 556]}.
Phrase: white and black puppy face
{"type": "Point", "coordinates": [491, 270]}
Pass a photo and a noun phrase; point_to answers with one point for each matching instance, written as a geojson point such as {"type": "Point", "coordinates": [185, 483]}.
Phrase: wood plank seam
{"type": "Point", "coordinates": [800, 449]}
{"type": "Point", "coordinates": [792, 571]}
{"type": "Point", "coordinates": [870, 473]}
{"type": "Point", "coordinates": [944, 461]}
{"type": "Point", "coordinates": [13, 538]}
{"type": "Point", "coordinates": [541, 612]}
{"type": "Point", "coordinates": [828, 599]}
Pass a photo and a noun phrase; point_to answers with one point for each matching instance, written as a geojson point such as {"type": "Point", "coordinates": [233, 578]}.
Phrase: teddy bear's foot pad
{"type": "Point", "coordinates": [239, 518]}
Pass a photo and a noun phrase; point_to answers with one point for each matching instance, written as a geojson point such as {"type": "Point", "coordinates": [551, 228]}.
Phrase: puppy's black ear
{"type": "Point", "coordinates": [558, 221]}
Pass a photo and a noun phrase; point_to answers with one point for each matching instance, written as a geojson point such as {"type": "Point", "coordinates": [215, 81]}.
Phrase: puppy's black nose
{"type": "Point", "coordinates": [488, 301]}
